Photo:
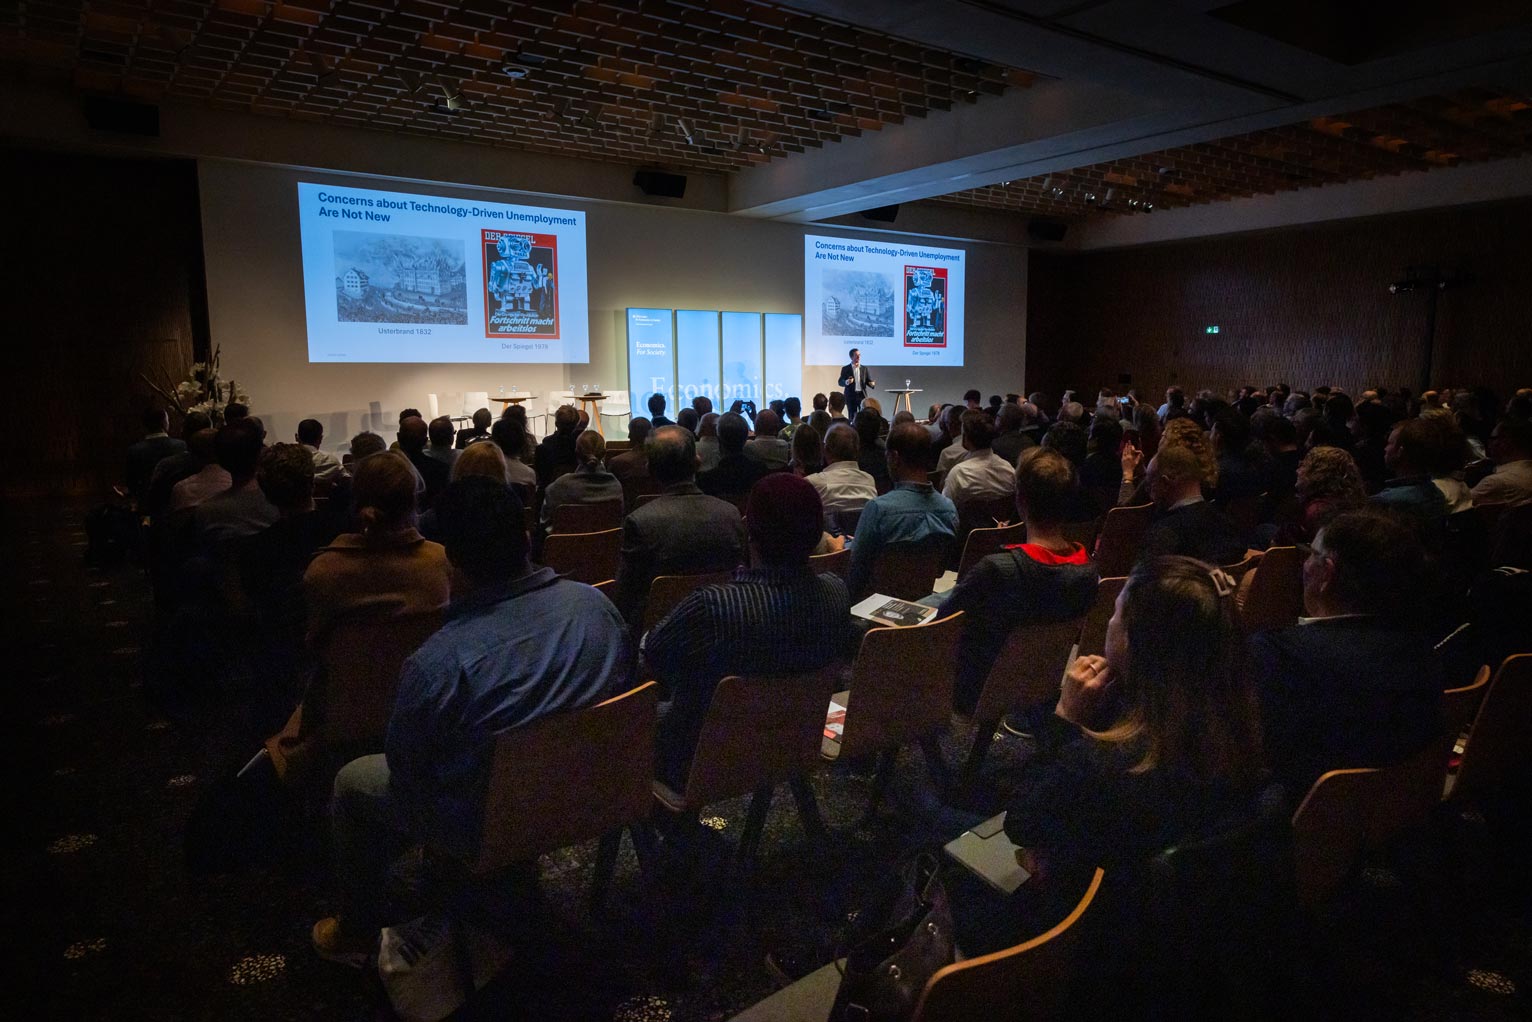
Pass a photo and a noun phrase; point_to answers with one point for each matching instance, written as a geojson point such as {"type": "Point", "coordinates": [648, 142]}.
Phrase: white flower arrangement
{"type": "Point", "coordinates": [201, 391]}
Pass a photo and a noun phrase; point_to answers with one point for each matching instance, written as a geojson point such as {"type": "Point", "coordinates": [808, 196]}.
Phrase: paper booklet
{"type": "Point", "coordinates": [835, 721]}
{"type": "Point", "coordinates": [885, 610]}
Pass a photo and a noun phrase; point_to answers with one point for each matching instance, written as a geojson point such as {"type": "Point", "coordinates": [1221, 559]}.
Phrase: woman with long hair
{"type": "Point", "coordinates": [1155, 743]}
{"type": "Point", "coordinates": [808, 451]}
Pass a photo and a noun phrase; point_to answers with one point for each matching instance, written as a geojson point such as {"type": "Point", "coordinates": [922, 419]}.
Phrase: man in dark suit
{"type": "Point", "coordinates": [1187, 524]}
{"type": "Point", "coordinates": [413, 434]}
{"type": "Point", "coordinates": [147, 453]}
{"type": "Point", "coordinates": [482, 419]}
{"type": "Point", "coordinates": [556, 454]}
{"type": "Point", "coordinates": [1353, 684]}
{"type": "Point", "coordinates": [856, 381]}
{"type": "Point", "coordinates": [736, 471]}
{"type": "Point", "coordinates": [684, 532]}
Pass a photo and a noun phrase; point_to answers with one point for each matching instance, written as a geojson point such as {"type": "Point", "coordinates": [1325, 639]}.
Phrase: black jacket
{"type": "Point", "coordinates": [555, 457]}
{"type": "Point", "coordinates": [1197, 530]}
{"type": "Point", "coordinates": [684, 532]}
{"type": "Point", "coordinates": [1342, 693]}
{"type": "Point", "coordinates": [733, 477]}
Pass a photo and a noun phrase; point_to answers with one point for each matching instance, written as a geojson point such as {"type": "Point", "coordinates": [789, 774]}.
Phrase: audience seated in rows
{"type": "Point", "coordinates": [519, 643]}
{"type": "Point", "coordinates": [1413, 447]}
{"type": "Point", "coordinates": [440, 434]}
{"type": "Point", "coordinates": [657, 411]}
{"type": "Point", "coordinates": [1045, 578]}
{"type": "Point", "coordinates": [212, 478]}
{"type": "Point", "coordinates": [808, 451]}
{"type": "Point", "coordinates": [872, 434]}
{"type": "Point", "coordinates": [510, 436]}
{"type": "Point", "coordinates": [241, 509]}
{"type": "Point", "coordinates": [841, 484]}
{"type": "Point", "coordinates": [632, 466]}
{"type": "Point", "coordinates": [683, 532]}
{"type": "Point", "coordinates": [707, 442]}
{"type": "Point", "coordinates": [413, 436]}
{"type": "Point", "coordinates": [910, 513]}
{"type": "Point", "coordinates": [1356, 683]}
{"type": "Point", "coordinates": [311, 435]}
{"type": "Point", "coordinates": [173, 468]}
{"type": "Point", "coordinates": [1510, 445]}
{"type": "Point", "coordinates": [775, 617]}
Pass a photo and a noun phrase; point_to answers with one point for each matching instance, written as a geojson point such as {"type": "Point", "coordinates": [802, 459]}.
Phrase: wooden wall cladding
{"type": "Point", "coordinates": [1307, 306]}
{"type": "Point", "coordinates": [113, 288]}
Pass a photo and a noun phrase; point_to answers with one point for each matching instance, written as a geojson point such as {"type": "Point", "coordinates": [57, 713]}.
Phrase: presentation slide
{"type": "Point", "coordinates": [900, 303]}
{"type": "Point", "coordinates": [401, 277]}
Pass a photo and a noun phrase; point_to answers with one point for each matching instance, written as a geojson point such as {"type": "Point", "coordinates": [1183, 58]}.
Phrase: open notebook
{"type": "Point", "coordinates": [887, 610]}
{"type": "Point", "coordinates": [990, 855]}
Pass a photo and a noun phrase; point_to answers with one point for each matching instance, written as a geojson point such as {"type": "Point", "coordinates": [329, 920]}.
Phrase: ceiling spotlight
{"type": "Point", "coordinates": [323, 72]}
{"type": "Point", "coordinates": [515, 71]}
{"type": "Point", "coordinates": [412, 81]}
{"type": "Point", "coordinates": [1132, 203]}
{"type": "Point", "coordinates": [529, 57]}
{"type": "Point", "coordinates": [656, 126]}
{"type": "Point", "coordinates": [591, 119]}
{"type": "Point", "coordinates": [685, 131]}
{"type": "Point", "coordinates": [1090, 196]}
{"type": "Point", "coordinates": [454, 101]}
{"type": "Point", "coordinates": [1148, 207]}
{"type": "Point", "coordinates": [1005, 184]}
{"type": "Point", "coordinates": [1048, 183]}
{"type": "Point", "coordinates": [1108, 197]}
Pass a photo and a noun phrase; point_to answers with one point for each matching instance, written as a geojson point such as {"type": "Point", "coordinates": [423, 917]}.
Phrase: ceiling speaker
{"type": "Point", "coordinates": [1046, 230]}
{"type": "Point", "coordinates": [657, 182]}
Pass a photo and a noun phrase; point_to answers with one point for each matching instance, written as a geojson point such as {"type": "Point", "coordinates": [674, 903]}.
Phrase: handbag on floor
{"type": "Point", "coordinates": [898, 942]}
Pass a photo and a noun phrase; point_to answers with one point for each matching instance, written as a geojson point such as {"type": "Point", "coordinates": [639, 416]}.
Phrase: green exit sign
{"type": "Point", "coordinates": [1211, 329]}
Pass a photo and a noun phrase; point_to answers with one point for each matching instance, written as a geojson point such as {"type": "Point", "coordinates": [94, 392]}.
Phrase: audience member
{"type": "Point", "coordinates": [775, 617]}
{"type": "Point", "coordinates": [556, 454]}
{"type": "Point", "coordinates": [387, 568]}
{"type": "Point", "coordinates": [872, 459]}
{"type": "Point", "coordinates": [1413, 447]}
{"type": "Point", "coordinates": [1069, 439]}
{"type": "Point", "coordinates": [1240, 472]}
{"type": "Point", "coordinates": [982, 475]}
{"type": "Point", "coordinates": [685, 531]}
{"type": "Point", "coordinates": [821, 421]}
{"type": "Point", "coordinates": [657, 411]}
{"type": "Point", "coordinates": [1452, 455]}
{"type": "Point", "coordinates": [589, 483]}
{"type": "Point", "coordinates": [1282, 457]}
{"type": "Point", "coordinates": [146, 454]}
{"type": "Point", "coordinates": [311, 435]}
{"type": "Point", "coordinates": [687, 419]}
{"type": "Point", "coordinates": [1510, 445]}
{"type": "Point", "coordinates": [735, 472]}
{"type": "Point", "coordinates": [173, 468]}
{"type": "Point", "coordinates": [1101, 474]}
{"type": "Point", "coordinates": [518, 643]}
{"type": "Point", "coordinates": [1186, 523]}
{"type": "Point", "coordinates": [476, 461]}
{"type": "Point", "coordinates": [1012, 439]}
{"type": "Point", "coordinates": [1045, 578]}
{"type": "Point", "coordinates": [1151, 745]}
{"type": "Point", "coordinates": [708, 451]}
{"type": "Point", "coordinates": [910, 513]}
{"type": "Point", "coordinates": [952, 430]}
{"type": "Point", "coordinates": [1175, 401]}
{"type": "Point", "coordinates": [837, 406]}
{"type": "Point", "coordinates": [1356, 683]}
{"type": "Point", "coordinates": [482, 420]}
{"type": "Point", "coordinates": [971, 399]}
{"type": "Point", "coordinates": [413, 434]}
{"type": "Point", "coordinates": [631, 467]}
{"type": "Point", "coordinates": [768, 448]}
{"type": "Point", "coordinates": [808, 451]}
{"type": "Point", "coordinates": [792, 411]}
{"type": "Point", "coordinates": [234, 411]}
{"type": "Point", "coordinates": [440, 433]}
{"type": "Point", "coordinates": [703, 404]}
{"type": "Point", "coordinates": [509, 435]}
{"type": "Point", "coordinates": [241, 509]}
{"type": "Point", "coordinates": [841, 485]}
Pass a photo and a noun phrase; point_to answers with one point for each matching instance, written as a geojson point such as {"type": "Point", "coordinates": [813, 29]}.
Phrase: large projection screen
{"type": "Point", "coordinates": [403, 277]}
{"type": "Point", "coordinates": [900, 303]}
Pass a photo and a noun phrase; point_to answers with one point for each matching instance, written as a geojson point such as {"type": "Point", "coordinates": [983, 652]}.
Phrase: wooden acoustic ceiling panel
{"type": "Point", "coordinates": [703, 84]}
{"type": "Point", "coordinates": [1436, 131]}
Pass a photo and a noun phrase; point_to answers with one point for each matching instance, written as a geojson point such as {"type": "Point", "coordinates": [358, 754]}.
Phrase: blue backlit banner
{"type": "Point", "coordinates": [784, 356]}
{"type": "Point", "coordinates": [651, 356]}
{"type": "Point", "coordinates": [698, 360]}
{"type": "Point", "coordinates": [742, 357]}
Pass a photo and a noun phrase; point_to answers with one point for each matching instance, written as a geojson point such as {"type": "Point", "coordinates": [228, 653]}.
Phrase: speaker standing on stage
{"type": "Point", "coordinates": [856, 380]}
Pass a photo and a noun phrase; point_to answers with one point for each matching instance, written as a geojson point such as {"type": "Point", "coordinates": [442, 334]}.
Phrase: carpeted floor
{"type": "Point", "coordinates": [113, 926]}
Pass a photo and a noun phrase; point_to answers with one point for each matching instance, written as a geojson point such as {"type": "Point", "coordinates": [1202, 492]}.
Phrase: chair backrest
{"type": "Point", "coordinates": [606, 514]}
{"type": "Point", "coordinates": [1084, 533]}
{"type": "Point", "coordinates": [1461, 705]}
{"type": "Point", "coordinates": [668, 590]}
{"type": "Point", "coordinates": [1497, 749]}
{"type": "Point", "coordinates": [1244, 512]}
{"type": "Point", "coordinates": [847, 521]}
{"type": "Point", "coordinates": [1240, 569]}
{"type": "Point", "coordinates": [1093, 632]}
{"type": "Point", "coordinates": [638, 490]}
{"type": "Point", "coordinates": [901, 685]}
{"type": "Point", "coordinates": [473, 400]}
{"type": "Point", "coordinates": [907, 570]}
{"type": "Point", "coordinates": [837, 562]}
{"type": "Point", "coordinates": [1271, 595]}
{"type": "Point", "coordinates": [759, 731]}
{"type": "Point", "coordinates": [558, 398]}
{"type": "Point", "coordinates": [362, 658]}
{"type": "Point", "coordinates": [1029, 669]}
{"type": "Point", "coordinates": [588, 557]}
{"type": "Point", "coordinates": [569, 777]}
{"type": "Point", "coordinates": [616, 403]}
{"type": "Point", "coordinates": [1348, 813]}
{"type": "Point", "coordinates": [643, 498]}
{"type": "Point", "coordinates": [607, 586]}
{"type": "Point", "coordinates": [987, 512]}
{"type": "Point", "coordinates": [984, 541]}
{"type": "Point", "coordinates": [1030, 980]}
{"type": "Point", "coordinates": [1122, 533]}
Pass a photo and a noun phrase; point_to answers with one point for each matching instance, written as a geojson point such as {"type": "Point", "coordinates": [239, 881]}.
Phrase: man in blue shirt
{"type": "Point", "coordinates": [518, 643]}
{"type": "Point", "coordinates": [1413, 447]}
{"type": "Point", "coordinates": [912, 512]}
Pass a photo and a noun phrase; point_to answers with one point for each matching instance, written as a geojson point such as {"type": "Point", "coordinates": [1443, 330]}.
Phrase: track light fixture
{"type": "Point", "coordinates": [685, 131]}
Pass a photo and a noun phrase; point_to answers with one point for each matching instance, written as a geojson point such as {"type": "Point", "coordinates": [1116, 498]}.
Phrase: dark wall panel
{"type": "Point", "coordinates": [1308, 306]}
{"type": "Point", "coordinates": [106, 260]}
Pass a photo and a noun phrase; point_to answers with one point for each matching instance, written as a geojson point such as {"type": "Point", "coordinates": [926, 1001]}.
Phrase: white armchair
{"type": "Point", "coordinates": [617, 405]}
{"type": "Point", "coordinates": [473, 400]}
